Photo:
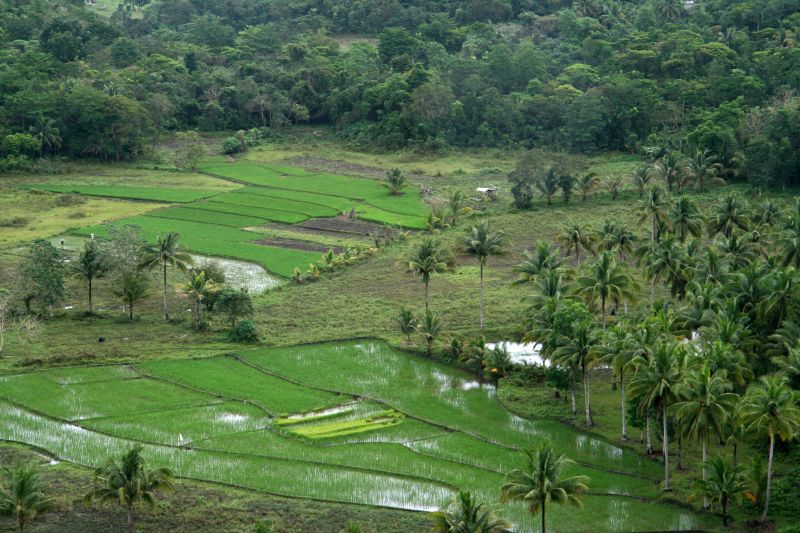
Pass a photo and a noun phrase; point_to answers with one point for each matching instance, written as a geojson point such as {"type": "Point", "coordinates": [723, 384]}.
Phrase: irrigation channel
{"type": "Point", "coordinates": [354, 421]}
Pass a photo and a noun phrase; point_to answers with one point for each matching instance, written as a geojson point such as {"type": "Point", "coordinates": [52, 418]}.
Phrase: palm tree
{"type": "Point", "coordinates": [482, 242]}
{"type": "Point", "coordinates": [728, 214]}
{"type": "Point", "coordinates": [789, 246]}
{"type": "Point", "coordinates": [605, 279]}
{"type": "Point", "coordinates": [548, 184]}
{"type": "Point", "coordinates": [725, 483]}
{"type": "Point", "coordinates": [657, 383]}
{"type": "Point", "coordinates": [587, 183]}
{"type": "Point", "coordinates": [430, 328]}
{"type": "Point", "coordinates": [618, 355]}
{"type": "Point", "coordinates": [395, 180]}
{"type": "Point", "coordinates": [671, 168]}
{"type": "Point", "coordinates": [90, 264]}
{"type": "Point", "coordinates": [49, 136]}
{"type": "Point", "coordinates": [408, 323]}
{"type": "Point", "coordinates": [707, 405]}
{"type": "Point", "coordinates": [471, 516]}
{"type": "Point", "coordinates": [425, 260]}
{"type": "Point", "coordinates": [22, 497]}
{"type": "Point", "coordinates": [665, 260]}
{"type": "Point", "coordinates": [790, 366]}
{"type": "Point", "coordinates": [566, 182]}
{"type": "Point", "coordinates": [770, 407]}
{"type": "Point", "coordinates": [129, 483]}
{"type": "Point", "coordinates": [577, 237]}
{"type": "Point", "coordinates": [534, 265]}
{"type": "Point", "coordinates": [641, 177]}
{"type": "Point", "coordinates": [540, 483]}
{"type": "Point", "coordinates": [614, 186]}
{"type": "Point", "coordinates": [133, 288]}
{"type": "Point", "coordinates": [165, 253]}
{"type": "Point", "coordinates": [685, 218]}
{"type": "Point", "coordinates": [703, 167]}
{"type": "Point", "coordinates": [197, 288]}
{"type": "Point", "coordinates": [580, 349]}
{"type": "Point", "coordinates": [654, 210]}
{"type": "Point", "coordinates": [455, 204]}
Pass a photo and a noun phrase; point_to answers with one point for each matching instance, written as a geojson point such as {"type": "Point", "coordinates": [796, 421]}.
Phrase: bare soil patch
{"type": "Point", "coordinates": [294, 244]}
{"type": "Point", "coordinates": [318, 164]}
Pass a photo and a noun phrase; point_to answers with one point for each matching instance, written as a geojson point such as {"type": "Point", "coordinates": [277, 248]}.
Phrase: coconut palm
{"type": "Point", "coordinates": [703, 168]}
{"type": "Point", "coordinates": [641, 177]}
{"type": "Point", "coordinates": [614, 186]}
{"type": "Point", "coordinates": [470, 516]}
{"type": "Point", "coordinates": [657, 383]}
{"type": "Point", "coordinates": [455, 205]}
{"type": "Point", "coordinates": [132, 288]}
{"type": "Point", "coordinates": [45, 130]}
{"type": "Point", "coordinates": [685, 218]}
{"type": "Point", "coordinates": [654, 210]}
{"type": "Point", "coordinates": [617, 354]}
{"type": "Point", "coordinates": [90, 265]}
{"type": "Point", "coordinates": [482, 242]}
{"type": "Point", "coordinates": [790, 366]}
{"type": "Point", "coordinates": [724, 484]}
{"type": "Point", "coordinates": [535, 264]}
{"type": "Point", "coordinates": [395, 180]}
{"type": "Point", "coordinates": [430, 328]}
{"type": "Point", "coordinates": [166, 253]}
{"type": "Point", "coordinates": [575, 237]}
{"type": "Point", "coordinates": [708, 403]}
{"type": "Point", "coordinates": [547, 184]}
{"type": "Point", "coordinates": [552, 284]}
{"type": "Point", "coordinates": [672, 169]}
{"type": "Point", "coordinates": [197, 287]}
{"type": "Point", "coordinates": [22, 495]}
{"type": "Point", "coordinates": [566, 182]}
{"type": "Point", "coordinates": [605, 279]}
{"type": "Point", "coordinates": [587, 183]}
{"type": "Point", "coordinates": [540, 483]}
{"type": "Point", "coordinates": [665, 260]}
{"type": "Point", "coordinates": [129, 483]}
{"type": "Point", "coordinates": [580, 349]}
{"type": "Point", "coordinates": [427, 259]}
{"type": "Point", "coordinates": [770, 407]}
{"type": "Point", "coordinates": [789, 246]}
{"type": "Point", "coordinates": [729, 213]}
{"type": "Point", "coordinates": [408, 323]}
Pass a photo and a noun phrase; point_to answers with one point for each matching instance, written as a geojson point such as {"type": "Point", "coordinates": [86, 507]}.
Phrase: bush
{"type": "Point", "coordinates": [231, 145]}
{"type": "Point", "coordinates": [244, 331]}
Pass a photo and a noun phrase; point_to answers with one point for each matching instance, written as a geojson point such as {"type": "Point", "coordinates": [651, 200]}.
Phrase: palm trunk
{"type": "Point", "coordinates": [649, 439]}
{"type": "Point", "coordinates": [544, 527]}
{"type": "Point", "coordinates": [586, 404]}
{"type": "Point", "coordinates": [481, 302]}
{"type": "Point", "coordinates": [166, 309]}
{"type": "Point", "coordinates": [725, 511]}
{"type": "Point", "coordinates": [603, 310]}
{"type": "Point", "coordinates": [90, 296]}
{"type": "Point", "coordinates": [735, 445]}
{"type": "Point", "coordinates": [622, 400]}
{"type": "Point", "coordinates": [705, 472]}
{"type": "Point", "coordinates": [572, 393]}
{"type": "Point", "coordinates": [769, 478]}
{"type": "Point", "coordinates": [667, 487]}
{"type": "Point", "coordinates": [130, 310]}
{"type": "Point", "coordinates": [426, 296]}
{"type": "Point", "coordinates": [130, 517]}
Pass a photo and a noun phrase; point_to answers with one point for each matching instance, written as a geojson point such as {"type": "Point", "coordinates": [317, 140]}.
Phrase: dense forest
{"type": "Point", "coordinates": [586, 76]}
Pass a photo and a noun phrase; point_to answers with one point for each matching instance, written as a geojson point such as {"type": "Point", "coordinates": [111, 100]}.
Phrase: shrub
{"type": "Point", "coordinates": [244, 331]}
{"type": "Point", "coordinates": [231, 145]}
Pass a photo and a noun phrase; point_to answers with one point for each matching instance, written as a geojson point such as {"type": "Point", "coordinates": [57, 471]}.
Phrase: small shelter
{"type": "Point", "coordinates": [491, 192]}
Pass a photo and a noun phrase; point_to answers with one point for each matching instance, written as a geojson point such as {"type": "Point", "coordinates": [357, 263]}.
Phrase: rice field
{"type": "Point", "coordinates": [354, 422]}
{"type": "Point", "coordinates": [212, 220]}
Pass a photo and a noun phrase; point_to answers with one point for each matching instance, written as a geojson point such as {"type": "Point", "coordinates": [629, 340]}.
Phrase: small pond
{"type": "Point", "coordinates": [521, 353]}
{"type": "Point", "coordinates": [241, 274]}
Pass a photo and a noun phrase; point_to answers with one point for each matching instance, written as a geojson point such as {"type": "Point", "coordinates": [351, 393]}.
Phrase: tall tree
{"type": "Point", "coordinates": [575, 237]}
{"type": "Point", "coordinates": [685, 218]}
{"type": "Point", "coordinates": [703, 168]}
{"type": "Point", "coordinates": [42, 275]}
{"type": "Point", "coordinates": [430, 327]}
{"type": "Point", "coordinates": [535, 264]}
{"type": "Point", "coordinates": [617, 354]}
{"type": "Point", "coordinates": [587, 183]}
{"type": "Point", "coordinates": [425, 260]}
{"type": "Point", "coordinates": [724, 484]}
{"type": "Point", "coordinates": [481, 242]}
{"type": "Point", "coordinates": [470, 516]}
{"type": "Point", "coordinates": [90, 265]}
{"type": "Point", "coordinates": [48, 134]}
{"type": "Point", "coordinates": [641, 177]}
{"type": "Point", "coordinates": [580, 349]}
{"type": "Point", "coordinates": [770, 407]}
{"type": "Point", "coordinates": [196, 287]}
{"type": "Point", "coordinates": [672, 169]}
{"type": "Point", "coordinates": [729, 213]}
{"type": "Point", "coordinates": [540, 482]}
{"type": "Point", "coordinates": [707, 405]}
{"type": "Point", "coordinates": [132, 288]}
{"type": "Point", "coordinates": [129, 483]}
{"type": "Point", "coordinates": [166, 253]}
{"type": "Point", "coordinates": [657, 383]}
{"type": "Point", "coordinates": [605, 279]}
{"type": "Point", "coordinates": [22, 496]}
{"type": "Point", "coordinates": [654, 210]}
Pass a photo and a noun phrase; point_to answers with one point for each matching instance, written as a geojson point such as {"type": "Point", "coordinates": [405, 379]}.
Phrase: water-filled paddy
{"type": "Point", "coordinates": [308, 421]}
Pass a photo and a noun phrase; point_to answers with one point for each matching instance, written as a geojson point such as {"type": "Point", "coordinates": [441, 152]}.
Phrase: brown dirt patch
{"type": "Point", "coordinates": [298, 245]}
{"type": "Point", "coordinates": [335, 166]}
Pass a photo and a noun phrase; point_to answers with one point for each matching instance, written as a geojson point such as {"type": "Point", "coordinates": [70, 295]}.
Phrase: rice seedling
{"type": "Point", "coordinates": [208, 217]}
{"type": "Point", "coordinates": [155, 194]}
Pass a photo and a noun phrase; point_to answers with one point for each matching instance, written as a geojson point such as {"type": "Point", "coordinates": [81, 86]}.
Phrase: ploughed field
{"type": "Point", "coordinates": [224, 221]}
{"type": "Point", "coordinates": [355, 422]}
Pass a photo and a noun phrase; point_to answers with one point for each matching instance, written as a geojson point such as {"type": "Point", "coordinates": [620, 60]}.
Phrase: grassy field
{"type": "Point", "coordinates": [223, 409]}
{"type": "Point", "coordinates": [130, 193]}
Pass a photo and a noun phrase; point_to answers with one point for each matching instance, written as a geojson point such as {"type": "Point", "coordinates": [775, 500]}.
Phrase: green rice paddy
{"type": "Point", "coordinates": [356, 422]}
{"type": "Point", "coordinates": [212, 221]}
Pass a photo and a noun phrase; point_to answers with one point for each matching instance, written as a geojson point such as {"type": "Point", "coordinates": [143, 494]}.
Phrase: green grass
{"type": "Point", "coordinates": [207, 217]}
{"type": "Point", "coordinates": [278, 204]}
{"type": "Point", "coordinates": [154, 194]}
{"type": "Point", "coordinates": [342, 428]}
{"type": "Point", "coordinates": [234, 380]}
